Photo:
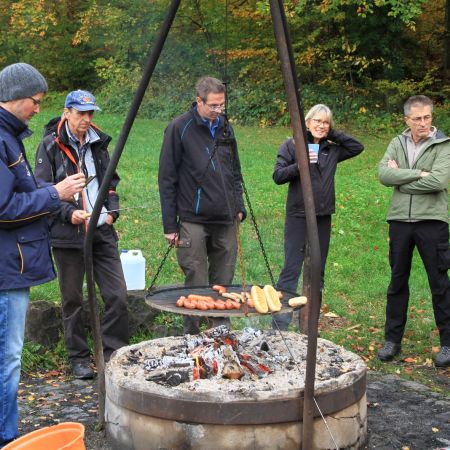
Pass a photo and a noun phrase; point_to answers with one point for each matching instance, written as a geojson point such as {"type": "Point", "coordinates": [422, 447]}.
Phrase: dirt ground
{"type": "Point", "coordinates": [402, 414]}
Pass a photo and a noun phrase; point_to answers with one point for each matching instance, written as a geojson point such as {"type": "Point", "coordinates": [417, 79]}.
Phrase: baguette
{"type": "Point", "coordinates": [272, 298]}
{"type": "Point", "coordinates": [294, 302]}
{"type": "Point", "coordinates": [259, 299]}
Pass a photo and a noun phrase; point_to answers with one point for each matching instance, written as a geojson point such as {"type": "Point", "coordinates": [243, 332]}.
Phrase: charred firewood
{"type": "Point", "coordinates": [170, 377]}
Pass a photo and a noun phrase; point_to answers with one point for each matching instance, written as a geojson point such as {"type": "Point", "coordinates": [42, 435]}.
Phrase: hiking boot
{"type": "Point", "coordinates": [443, 357]}
{"type": "Point", "coordinates": [388, 351]}
{"type": "Point", "coordinates": [82, 370]}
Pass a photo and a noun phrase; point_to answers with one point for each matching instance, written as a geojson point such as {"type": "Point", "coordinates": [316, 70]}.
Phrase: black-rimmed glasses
{"type": "Point", "coordinates": [35, 102]}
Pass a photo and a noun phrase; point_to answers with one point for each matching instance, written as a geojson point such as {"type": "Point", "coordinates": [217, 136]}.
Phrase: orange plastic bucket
{"type": "Point", "coordinates": [64, 436]}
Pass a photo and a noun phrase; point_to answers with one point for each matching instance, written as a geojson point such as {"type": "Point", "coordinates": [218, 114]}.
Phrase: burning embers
{"type": "Point", "coordinates": [241, 364]}
{"type": "Point", "coordinates": [215, 354]}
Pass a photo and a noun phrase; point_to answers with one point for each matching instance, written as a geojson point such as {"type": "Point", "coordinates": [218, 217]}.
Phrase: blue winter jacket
{"type": "Point", "coordinates": [24, 244]}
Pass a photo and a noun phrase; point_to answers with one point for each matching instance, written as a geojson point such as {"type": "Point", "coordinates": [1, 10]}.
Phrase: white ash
{"type": "Point", "coordinates": [335, 367]}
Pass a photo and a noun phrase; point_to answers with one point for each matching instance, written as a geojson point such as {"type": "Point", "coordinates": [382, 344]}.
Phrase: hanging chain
{"type": "Point", "coordinates": [258, 234]}
{"type": "Point", "coordinates": [163, 261]}
{"type": "Point", "coordinates": [241, 264]}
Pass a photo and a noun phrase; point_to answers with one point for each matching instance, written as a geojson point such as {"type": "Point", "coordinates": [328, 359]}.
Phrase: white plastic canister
{"type": "Point", "coordinates": [133, 265]}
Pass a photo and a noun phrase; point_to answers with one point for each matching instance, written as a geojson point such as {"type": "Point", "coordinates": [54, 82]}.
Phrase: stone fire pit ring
{"type": "Point", "coordinates": [142, 414]}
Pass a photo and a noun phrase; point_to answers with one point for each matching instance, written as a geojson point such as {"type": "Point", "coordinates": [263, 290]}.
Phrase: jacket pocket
{"type": "Point", "coordinates": [443, 251]}
{"type": "Point", "coordinates": [33, 250]}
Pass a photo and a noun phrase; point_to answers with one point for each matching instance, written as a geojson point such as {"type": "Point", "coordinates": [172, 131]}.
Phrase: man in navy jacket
{"type": "Point", "coordinates": [24, 243]}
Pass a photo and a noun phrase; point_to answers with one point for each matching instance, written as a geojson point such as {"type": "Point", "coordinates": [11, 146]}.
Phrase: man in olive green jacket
{"type": "Point", "coordinates": [417, 165]}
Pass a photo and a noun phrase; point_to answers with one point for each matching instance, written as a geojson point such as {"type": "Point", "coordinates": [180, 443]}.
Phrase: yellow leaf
{"type": "Point", "coordinates": [434, 429]}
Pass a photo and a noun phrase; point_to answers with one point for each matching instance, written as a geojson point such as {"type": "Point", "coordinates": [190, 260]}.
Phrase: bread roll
{"type": "Point", "coordinates": [297, 301]}
{"type": "Point", "coordinates": [259, 299]}
{"type": "Point", "coordinates": [272, 298]}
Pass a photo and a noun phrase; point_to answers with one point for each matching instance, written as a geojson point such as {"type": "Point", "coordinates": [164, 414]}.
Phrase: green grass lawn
{"type": "Point", "coordinates": [357, 270]}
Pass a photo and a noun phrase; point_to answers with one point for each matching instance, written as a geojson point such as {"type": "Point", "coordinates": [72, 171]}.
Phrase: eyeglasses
{"type": "Point", "coordinates": [418, 120]}
{"type": "Point", "coordinates": [35, 102]}
{"type": "Point", "coordinates": [325, 123]}
{"type": "Point", "coordinates": [216, 107]}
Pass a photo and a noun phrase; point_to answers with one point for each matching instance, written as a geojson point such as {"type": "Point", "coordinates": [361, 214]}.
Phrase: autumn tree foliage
{"type": "Point", "coordinates": [351, 54]}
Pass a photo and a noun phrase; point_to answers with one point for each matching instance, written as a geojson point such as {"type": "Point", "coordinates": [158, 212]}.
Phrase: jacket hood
{"type": "Point", "coordinates": [51, 126]}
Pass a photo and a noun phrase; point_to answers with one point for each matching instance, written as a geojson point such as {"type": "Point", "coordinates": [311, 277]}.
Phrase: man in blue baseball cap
{"type": "Point", "coordinates": [81, 101]}
{"type": "Point", "coordinates": [72, 144]}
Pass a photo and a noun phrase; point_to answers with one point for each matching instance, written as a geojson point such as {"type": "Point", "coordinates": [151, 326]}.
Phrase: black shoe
{"type": "Point", "coordinates": [443, 357]}
{"type": "Point", "coordinates": [82, 370]}
{"type": "Point", "coordinates": [388, 351]}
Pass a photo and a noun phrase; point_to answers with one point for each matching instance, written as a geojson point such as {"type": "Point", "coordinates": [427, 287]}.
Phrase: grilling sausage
{"type": "Point", "coordinates": [199, 297]}
{"type": "Point", "coordinates": [220, 289]}
{"type": "Point", "coordinates": [180, 301]}
{"type": "Point", "coordinates": [219, 304]}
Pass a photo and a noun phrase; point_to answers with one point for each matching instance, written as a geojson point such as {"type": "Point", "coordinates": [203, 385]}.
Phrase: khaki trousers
{"type": "Point", "coordinates": [209, 258]}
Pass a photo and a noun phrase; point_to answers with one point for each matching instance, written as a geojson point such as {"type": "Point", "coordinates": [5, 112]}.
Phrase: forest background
{"type": "Point", "coordinates": [361, 57]}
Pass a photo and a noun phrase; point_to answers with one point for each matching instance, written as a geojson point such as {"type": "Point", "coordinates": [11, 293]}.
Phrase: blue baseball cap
{"type": "Point", "coordinates": [81, 101]}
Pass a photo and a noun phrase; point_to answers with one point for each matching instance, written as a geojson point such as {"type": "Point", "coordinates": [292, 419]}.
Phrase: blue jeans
{"type": "Point", "coordinates": [13, 310]}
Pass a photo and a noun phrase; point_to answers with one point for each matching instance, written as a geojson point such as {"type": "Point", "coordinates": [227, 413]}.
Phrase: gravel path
{"type": "Point", "coordinates": [401, 414]}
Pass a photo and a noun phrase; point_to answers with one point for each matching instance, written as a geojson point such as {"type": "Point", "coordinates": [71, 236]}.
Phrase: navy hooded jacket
{"type": "Point", "coordinates": [24, 244]}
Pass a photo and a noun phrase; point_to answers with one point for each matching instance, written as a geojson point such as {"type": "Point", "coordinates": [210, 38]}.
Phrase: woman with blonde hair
{"type": "Point", "coordinates": [327, 148]}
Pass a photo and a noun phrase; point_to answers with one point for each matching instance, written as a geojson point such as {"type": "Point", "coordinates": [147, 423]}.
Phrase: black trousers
{"type": "Point", "coordinates": [294, 254]}
{"type": "Point", "coordinates": [431, 239]}
{"type": "Point", "coordinates": [108, 275]}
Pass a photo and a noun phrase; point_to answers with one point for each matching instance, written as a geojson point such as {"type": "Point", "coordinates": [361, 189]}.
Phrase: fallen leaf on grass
{"type": "Point", "coordinates": [409, 360]}
{"type": "Point", "coordinates": [435, 349]}
{"type": "Point", "coordinates": [331, 314]}
{"type": "Point", "coordinates": [354, 327]}
{"type": "Point", "coordinates": [434, 429]}
{"type": "Point", "coordinates": [51, 373]}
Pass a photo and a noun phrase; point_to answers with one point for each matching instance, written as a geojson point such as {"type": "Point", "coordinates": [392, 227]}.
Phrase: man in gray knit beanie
{"type": "Point", "coordinates": [20, 80]}
{"type": "Point", "coordinates": [24, 208]}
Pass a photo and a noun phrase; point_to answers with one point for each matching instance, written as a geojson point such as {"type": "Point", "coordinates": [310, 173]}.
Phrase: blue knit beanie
{"type": "Point", "coordinates": [20, 80]}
